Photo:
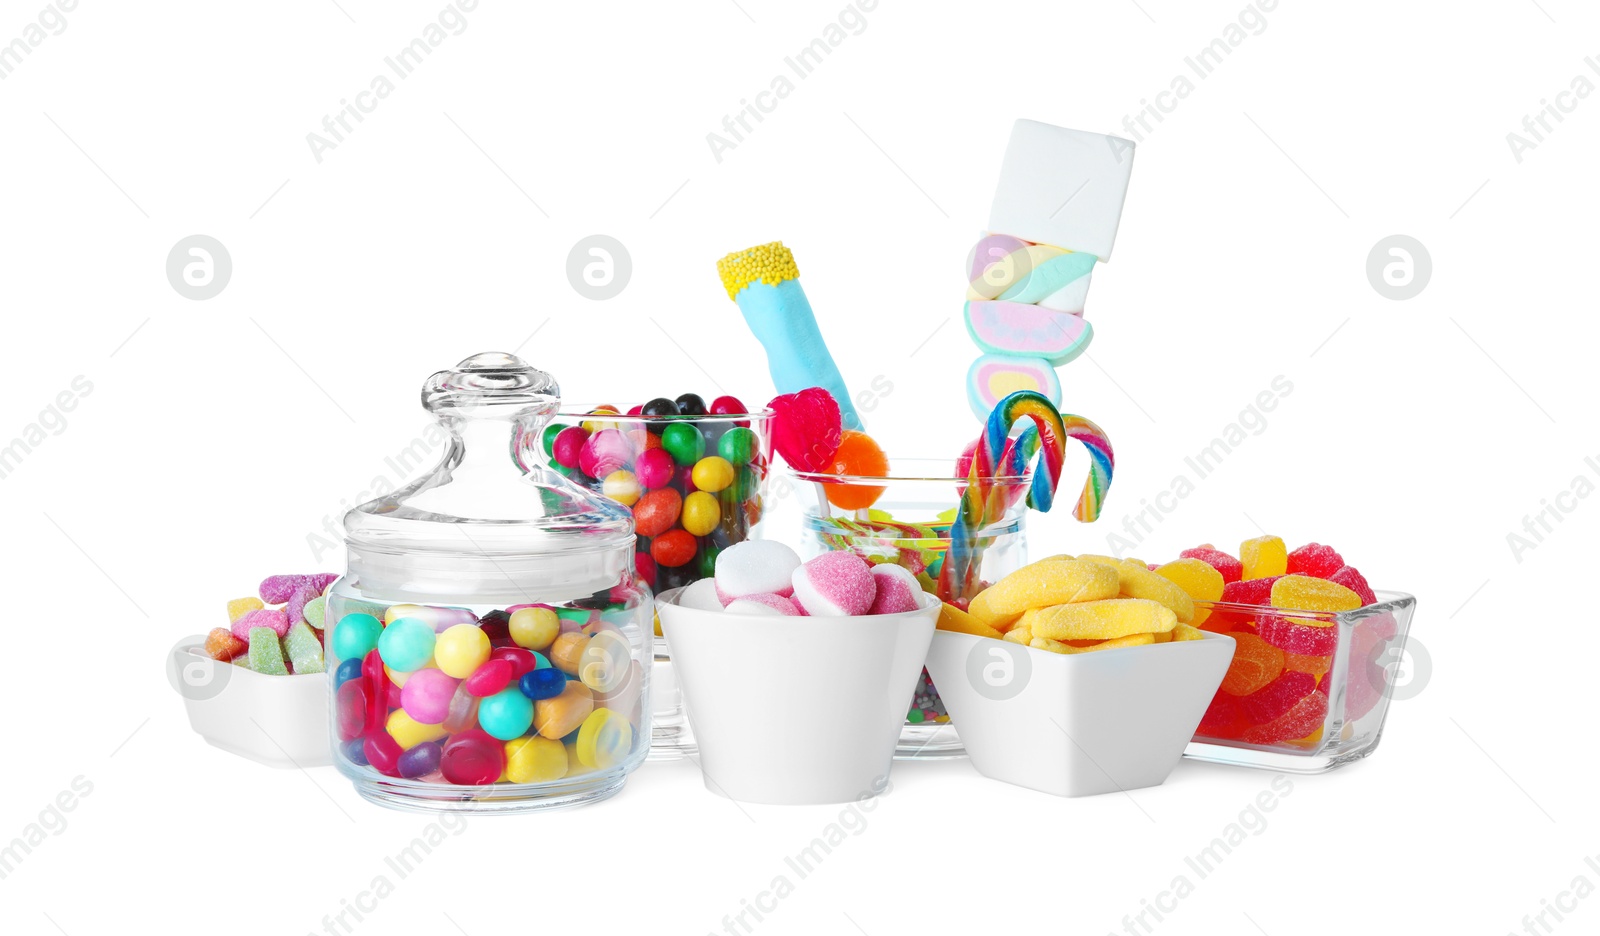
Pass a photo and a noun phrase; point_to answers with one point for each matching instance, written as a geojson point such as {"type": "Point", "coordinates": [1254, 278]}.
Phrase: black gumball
{"type": "Point", "coordinates": [691, 404]}
{"type": "Point", "coordinates": [661, 408]}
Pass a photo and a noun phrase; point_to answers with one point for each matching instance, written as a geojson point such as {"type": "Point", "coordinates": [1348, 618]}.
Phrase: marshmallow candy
{"type": "Point", "coordinates": [834, 584]}
{"type": "Point", "coordinates": [897, 592]}
{"type": "Point", "coordinates": [755, 567]}
{"type": "Point", "coordinates": [763, 606]}
{"type": "Point", "coordinates": [1062, 187]}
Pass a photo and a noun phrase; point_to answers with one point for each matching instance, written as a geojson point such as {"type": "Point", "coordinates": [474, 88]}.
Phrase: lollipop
{"type": "Point", "coordinates": [984, 502]}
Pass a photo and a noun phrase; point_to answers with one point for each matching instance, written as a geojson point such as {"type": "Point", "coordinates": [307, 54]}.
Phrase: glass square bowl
{"type": "Point", "coordinates": [1307, 691]}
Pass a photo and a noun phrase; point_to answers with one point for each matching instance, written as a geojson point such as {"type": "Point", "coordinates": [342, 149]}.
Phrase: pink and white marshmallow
{"type": "Point", "coordinates": [835, 584]}
{"type": "Point", "coordinates": [898, 590]}
{"type": "Point", "coordinates": [755, 567]}
{"type": "Point", "coordinates": [765, 605]}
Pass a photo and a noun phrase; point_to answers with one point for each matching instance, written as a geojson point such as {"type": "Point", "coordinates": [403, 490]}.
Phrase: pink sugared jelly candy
{"type": "Point", "coordinates": [835, 584]}
{"type": "Point", "coordinates": [1356, 582]}
{"type": "Point", "coordinates": [1302, 718]}
{"type": "Point", "coordinates": [1251, 592]}
{"type": "Point", "coordinates": [265, 617]}
{"type": "Point", "coordinates": [898, 590]}
{"type": "Point", "coordinates": [1315, 560]}
{"type": "Point", "coordinates": [1277, 697]}
{"type": "Point", "coordinates": [1291, 636]}
{"type": "Point", "coordinates": [1232, 569]}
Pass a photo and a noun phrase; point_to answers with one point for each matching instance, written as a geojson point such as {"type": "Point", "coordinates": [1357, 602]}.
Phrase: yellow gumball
{"type": "Point", "coordinates": [622, 487]}
{"type": "Point", "coordinates": [461, 650]}
{"type": "Point", "coordinates": [534, 628]}
{"type": "Point", "coordinates": [701, 513]}
{"type": "Point", "coordinates": [712, 473]}
{"type": "Point", "coordinates": [535, 760]}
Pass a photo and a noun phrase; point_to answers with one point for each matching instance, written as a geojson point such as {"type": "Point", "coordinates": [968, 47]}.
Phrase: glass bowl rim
{"type": "Point", "coordinates": [566, 412]}
{"type": "Point", "coordinates": [823, 477]}
{"type": "Point", "coordinates": [1388, 601]}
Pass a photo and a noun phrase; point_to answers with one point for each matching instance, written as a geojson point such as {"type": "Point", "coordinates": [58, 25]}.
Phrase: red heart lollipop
{"type": "Point", "coordinates": [806, 428]}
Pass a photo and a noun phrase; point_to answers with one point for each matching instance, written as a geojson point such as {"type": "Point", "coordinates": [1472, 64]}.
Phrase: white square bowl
{"type": "Point", "coordinates": [279, 721]}
{"type": "Point", "coordinates": [854, 677]}
{"type": "Point", "coordinates": [1076, 724]}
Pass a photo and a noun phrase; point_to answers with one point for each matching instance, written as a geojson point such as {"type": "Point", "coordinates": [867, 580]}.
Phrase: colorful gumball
{"type": "Point", "coordinates": [701, 513]}
{"type": "Point", "coordinates": [656, 512]}
{"type": "Point", "coordinates": [684, 442]}
{"type": "Point", "coordinates": [655, 469]}
{"type": "Point", "coordinates": [568, 446]}
{"type": "Point", "coordinates": [739, 445]}
{"type": "Point", "coordinates": [673, 548]}
{"type": "Point", "coordinates": [621, 486]}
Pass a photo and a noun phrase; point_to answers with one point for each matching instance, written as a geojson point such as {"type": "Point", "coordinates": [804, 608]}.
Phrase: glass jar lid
{"type": "Point", "coordinates": [492, 518]}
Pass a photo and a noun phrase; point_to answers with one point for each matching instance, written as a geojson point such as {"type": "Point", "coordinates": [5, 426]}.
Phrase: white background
{"type": "Point", "coordinates": [219, 434]}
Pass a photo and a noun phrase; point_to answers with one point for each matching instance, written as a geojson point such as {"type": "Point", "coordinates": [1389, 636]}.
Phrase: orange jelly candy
{"type": "Point", "coordinates": [1255, 664]}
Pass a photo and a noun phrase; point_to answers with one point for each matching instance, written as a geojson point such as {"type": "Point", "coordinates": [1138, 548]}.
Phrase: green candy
{"type": "Point", "coordinates": [708, 561]}
{"type": "Point", "coordinates": [316, 611]}
{"type": "Point", "coordinates": [738, 445]}
{"type": "Point", "coordinates": [303, 648]}
{"type": "Point", "coordinates": [684, 443]}
{"type": "Point", "coordinates": [549, 438]}
{"type": "Point", "coordinates": [266, 656]}
{"type": "Point", "coordinates": [914, 716]}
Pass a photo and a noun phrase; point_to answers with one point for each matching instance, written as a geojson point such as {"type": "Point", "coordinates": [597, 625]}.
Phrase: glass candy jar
{"type": "Point", "coordinates": [491, 642]}
{"type": "Point", "coordinates": [909, 523]}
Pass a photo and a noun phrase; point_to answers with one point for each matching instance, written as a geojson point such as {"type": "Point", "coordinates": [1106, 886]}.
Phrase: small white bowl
{"type": "Point", "coordinates": [1076, 724]}
{"type": "Point", "coordinates": [745, 676]}
{"type": "Point", "coordinates": [280, 721]}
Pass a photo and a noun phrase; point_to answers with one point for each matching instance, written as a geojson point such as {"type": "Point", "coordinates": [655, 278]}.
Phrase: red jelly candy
{"type": "Point", "coordinates": [1278, 697]}
{"type": "Point", "coordinates": [1293, 637]}
{"type": "Point", "coordinates": [1302, 719]}
{"type": "Point", "coordinates": [377, 691]}
{"type": "Point", "coordinates": [1367, 679]}
{"type": "Point", "coordinates": [350, 709]}
{"type": "Point", "coordinates": [223, 646]}
{"type": "Point", "coordinates": [1222, 718]}
{"type": "Point", "coordinates": [1253, 592]}
{"type": "Point", "coordinates": [1356, 582]}
{"type": "Point", "coordinates": [1315, 560]}
{"type": "Point", "coordinates": [489, 678]}
{"type": "Point", "coordinates": [806, 428]}
{"type": "Point", "coordinates": [1232, 569]}
{"type": "Point", "coordinates": [383, 752]}
{"type": "Point", "coordinates": [521, 660]}
{"type": "Point", "coordinates": [472, 758]}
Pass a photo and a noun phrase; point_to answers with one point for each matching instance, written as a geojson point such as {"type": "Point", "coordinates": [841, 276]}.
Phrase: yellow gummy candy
{"type": "Point", "coordinates": [1136, 581]}
{"type": "Point", "coordinates": [1056, 646]}
{"type": "Point", "coordinates": [955, 620]}
{"type": "Point", "coordinates": [1101, 620]}
{"type": "Point", "coordinates": [535, 760]}
{"type": "Point", "coordinates": [1042, 584]}
{"type": "Point", "coordinates": [1304, 593]}
{"type": "Point", "coordinates": [1199, 579]}
{"type": "Point", "coordinates": [239, 607]}
{"type": "Point", "coordinates": [1167, 637]}
{"type": "Point", "coordinates": [408, 732]}
{"type": "Point", "coordinates": [1021, 634]}
{"type": "Point", "coordinates": [1264, 557]}
{"type": "Point", "coordinates": [1186, 632]}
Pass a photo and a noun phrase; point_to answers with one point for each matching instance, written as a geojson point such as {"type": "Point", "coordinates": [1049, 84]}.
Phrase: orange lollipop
{"type": "Point", "coordinates": [858, 455]}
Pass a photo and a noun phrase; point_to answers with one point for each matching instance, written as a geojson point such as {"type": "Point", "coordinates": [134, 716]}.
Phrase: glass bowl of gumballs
{"type": "Point", "coordinates": [694, 474]}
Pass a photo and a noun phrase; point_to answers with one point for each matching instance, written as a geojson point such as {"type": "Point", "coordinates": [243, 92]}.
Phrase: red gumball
{"type": "Point", "coordinates": [674, 548]}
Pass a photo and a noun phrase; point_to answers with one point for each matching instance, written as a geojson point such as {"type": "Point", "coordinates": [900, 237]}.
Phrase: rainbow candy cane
{"type": "Point", "coordinates": [984, 502]}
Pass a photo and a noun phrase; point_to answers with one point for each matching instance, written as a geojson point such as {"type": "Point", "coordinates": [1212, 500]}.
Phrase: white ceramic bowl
{"type": "Point", "coordinates": [745, 676]}
{"type": "Point", "coordinates": [280, 721]}
{"type": "Point", "coordinates": [1076, 724]}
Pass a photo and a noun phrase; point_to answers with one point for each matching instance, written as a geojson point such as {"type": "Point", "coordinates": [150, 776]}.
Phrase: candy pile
{"type": "Point", "coordinates": [1278, 686]}
{"type": "Point", "coordinates": [768, 579]}
{"type": "Point", "coordinates": [692, 473]}
{"type": "Point", "coordinates": [1067, 605]}
{"type": "Point", "coordinates": [275, 641]}
{"type": "Point", "coordinates": [527, 694]}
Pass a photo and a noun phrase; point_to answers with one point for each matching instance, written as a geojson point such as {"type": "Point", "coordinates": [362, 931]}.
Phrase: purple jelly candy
{"type": "Point", "coordinates": [421, 760]}
{"type": "Point", "coordinates": [296, 608]}
{"type": "Point", "coordinates": [276, 589]}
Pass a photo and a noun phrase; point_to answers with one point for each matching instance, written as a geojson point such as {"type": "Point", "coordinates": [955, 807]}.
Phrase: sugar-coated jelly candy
{"type": "Point", "coordinates": [461, 649]}
{"type": "Point", "coordinates": [1107, 619]}
{"type": "Point", "coordinates": [408, 732]}
{"type": "Point", "coordinates": [674, 548]}
{"type": "Point", "coordinates": [1356, 582]}
{"type": "Point", "coordinates": [543, 683]}
{"type": "Point", "coordinates": [1263, 556]}
{"type": "Point", "coordinates": [1315, 560]}
{"type": "Point", "coordinates": [560, 716]}
{"type": "Point", "coordinates": [421, 760]}
{"type": "Point", "coordinates": [316, 612]}
{"type": "Point", "coordinates": [270, 618]}
{"type": "Point", "coordinates": [535, 760]}
{"type": "Point", "coordinates": [657, 511]}
{"type": "Point", "coordinates": [1198, 579]}
{"type": "Point", "coordinates": [1222, 718]}
{"type": "Point", "coordinates": [604, 739]}
{"type": "Point", "coordinates": [1306, 663]}
{"type": "Point", "coordinates": [1135, 580]}
{"type": "Point", "coordinates": [1042, 584]}
{"type": "Point", "coordinates": [1302, 719]}
{"type": "Point", "coordinates": [407, 644]}
{"type": "Point", "coordinates": [426, 696]}
{"type": "Point", "coordinates": [239, 607]}
{"type": "Point", "coordinates": [472, 758]}
{"type": "Point", "coordinates": [1231, 569]}
{"type": "Point", "coordinates": [296, 608]}
{"type": "Point", "coordinates": [383, 752]}
{"type": "Point", "coordinates": [355, 636]}
{"type": "Point", "coordinates": [1298, 636]}
{"type": "Point", "coordinates": [265, 653]}
{"type": "Point", "coordinates": [350, 709]}
{"type": "Point", "coordinates": [1256, 664]}
{"type": "Point", "coordinates": [222, 645]}
{"type": "Point", "coordinates": [1277, 697]}
{"type": "Point", "coordinates": [303, 649]}
{"type": "Point", "coordinates": [739, 445]}
{"type": "Point", "coordinates": [1249, 591]}
{"type": "Point", "coordinates": [506, 714]}
{"type": "Point", "coordinates": [1304, 593]}
{"type": "Point", "coordinates": [684, 442]}
{"type": "Point", "coordinates": [490, 678]}
{"type": "Point", "coordinates": [277, 589]}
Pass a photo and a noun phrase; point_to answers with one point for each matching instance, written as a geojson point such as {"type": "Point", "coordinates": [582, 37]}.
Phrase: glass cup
{"type": "Point", "coordinates": [695, 484]}
{"type": "Point", "coordinates": [909, 524]}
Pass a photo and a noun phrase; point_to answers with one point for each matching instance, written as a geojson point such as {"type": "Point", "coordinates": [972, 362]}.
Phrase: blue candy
{"type": "Point", "coordinates": [355, 636]}
{"type": "Point", "coordinates": [355, 751]}
{"type": "Point", "coordinates": [544, 683]}
{"type": "Point", "coordinates": [507, 714]}
{"type": "Point", "coordinates": [347, 671]}
{"type": "Point", "coordinates": [406, 645]}
{"type": "Point", "coordinates": [421, 760]}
